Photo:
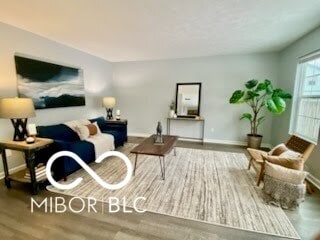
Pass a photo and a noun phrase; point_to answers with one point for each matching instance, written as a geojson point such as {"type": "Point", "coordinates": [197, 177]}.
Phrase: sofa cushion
{"type": "Point", "coordinates": [101, 121]}
{"type": "Point", "coordinates": [58, 132]}
{"type": "Point", "coordinates": [83, 132]}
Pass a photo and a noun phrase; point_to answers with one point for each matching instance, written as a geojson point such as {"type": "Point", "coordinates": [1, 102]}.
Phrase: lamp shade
{"type": "Point", "coordinates": [16, 108]}
{"type": "Point", "coordinates": [109, 102]}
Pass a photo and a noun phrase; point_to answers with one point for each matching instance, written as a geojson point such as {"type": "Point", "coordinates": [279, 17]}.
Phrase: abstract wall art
{"type": "Point", "coordinates": [49, 85]}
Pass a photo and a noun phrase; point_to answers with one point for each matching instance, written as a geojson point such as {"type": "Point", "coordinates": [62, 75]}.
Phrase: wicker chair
{"type": "Point", "coordinates": [294, 143]}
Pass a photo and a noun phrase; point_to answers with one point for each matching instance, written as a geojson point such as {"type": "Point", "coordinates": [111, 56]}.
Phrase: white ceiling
{"type": "Point", "coordinates": [130, 30]}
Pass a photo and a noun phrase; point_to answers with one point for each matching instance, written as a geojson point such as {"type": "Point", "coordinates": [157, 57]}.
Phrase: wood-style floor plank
{"type": "Point", "coordinates": [17, 222]}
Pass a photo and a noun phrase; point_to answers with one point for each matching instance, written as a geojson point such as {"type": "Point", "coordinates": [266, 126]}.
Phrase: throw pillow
{"type": "Point", "coordinates": [98, 129]}
{"type": "Point", "coordinates": [292, 163]}
{"type": "Point", "coordinates": [279, 149]}
{"type": "Point", "coordinates": [285, 174]}
{"type": "Point", "coordinates": [82, 131]}
{"type": "Point", "coordinates": [290, 154]}
{"type": "Point", "coordinates": [93, 130]}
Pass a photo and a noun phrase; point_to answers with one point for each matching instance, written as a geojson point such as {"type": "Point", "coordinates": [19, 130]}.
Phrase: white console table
{"type": "Point", "coordinates": [198, 119]}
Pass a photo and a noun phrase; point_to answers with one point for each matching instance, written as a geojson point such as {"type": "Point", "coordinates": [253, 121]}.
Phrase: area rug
{"type": "Point", "coordinates": [201, 185]}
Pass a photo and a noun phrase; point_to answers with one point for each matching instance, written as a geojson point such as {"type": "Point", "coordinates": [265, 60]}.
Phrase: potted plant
{"type": "Point", "coordinates": [259, 95]}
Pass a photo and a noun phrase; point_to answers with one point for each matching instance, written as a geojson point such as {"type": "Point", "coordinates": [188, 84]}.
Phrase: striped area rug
{"type": "Point", "coordinates": [201, 185]}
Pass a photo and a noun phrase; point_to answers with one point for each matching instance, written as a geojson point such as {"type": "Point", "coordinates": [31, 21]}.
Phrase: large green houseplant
{"type": "Point", "coordinates": [259, 95]}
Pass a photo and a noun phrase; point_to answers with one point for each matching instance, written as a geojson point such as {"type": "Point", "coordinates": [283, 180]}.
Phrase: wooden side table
{"type": "Point", "coordinates": [121, 122]}
{"type": "Point", "coordinates": [29, 152]}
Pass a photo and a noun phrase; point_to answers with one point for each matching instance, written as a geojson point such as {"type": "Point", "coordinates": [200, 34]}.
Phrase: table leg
{"type": "Point", "coordinates": [30, 161]}
{"type": "Point", "coordinates": [135, 164]}
{"type": "Point", "coordinates": [203, 132]}
{"type": "Point", "coordinates": [163, 168]}
{"type": "Point", "coordinates": [5, 167]}
{"type": "Point", "coordinates": [175, 151]}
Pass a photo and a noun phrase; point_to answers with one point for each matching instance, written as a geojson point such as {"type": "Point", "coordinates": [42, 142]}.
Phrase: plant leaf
{"type": "Point", "coordinates": [251, 83]}
{"type": "Point", "coordinates": [261, 87]}
{"type": "Point", "coordinates": [236, 97]}
{"type": "Point", "coordinates": [276, 105]}
{"type": "Point", "coordinates": [267, 82]}
{"type": "Point", "coordinates": [251, 95]}
{"type": "Point", "coordinates": [247, 116]}
{"type": "Point", "coordinates": [269, 89]}
{"type": "Point", "coordinates": [280, 93]}
{"type": "Point", "coordinates": [260, 120]}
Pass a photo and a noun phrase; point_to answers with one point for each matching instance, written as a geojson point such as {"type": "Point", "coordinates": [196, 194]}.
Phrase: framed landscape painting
{"type": "Point", "coordinates": [49, 85]}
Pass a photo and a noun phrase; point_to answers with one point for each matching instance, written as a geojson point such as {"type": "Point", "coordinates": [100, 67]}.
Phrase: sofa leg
{"type": "Point", "coordinates": [65, 178]}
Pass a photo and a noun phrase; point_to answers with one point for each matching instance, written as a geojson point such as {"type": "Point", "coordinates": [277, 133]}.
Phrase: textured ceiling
{"type": "Point", "coordinates": [130, 30]}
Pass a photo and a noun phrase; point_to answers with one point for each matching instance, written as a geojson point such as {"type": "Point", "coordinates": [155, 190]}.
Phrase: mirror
{"type": "Point", "coordinates": [188, 97]}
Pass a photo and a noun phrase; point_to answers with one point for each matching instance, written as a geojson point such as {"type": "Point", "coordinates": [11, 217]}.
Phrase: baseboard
{"type": "Point", "coordinates": [313, 180]}
{"type": "Point", "coordinates": [13, 170]}
{"type": "Point", "coordinates": [207, 140]}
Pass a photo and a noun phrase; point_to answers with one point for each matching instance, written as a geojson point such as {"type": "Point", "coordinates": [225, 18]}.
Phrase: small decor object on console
{"type": "Point", "coordinates": [172, 107]}
{"type": "Point", "coordinates": [117, 114]}
{"type": "Point", "coordinates": [109, 103]}
{"type": "Point", "coordinates": [18, 110]}
{"type": "Point", "coordinates": [159, 137]}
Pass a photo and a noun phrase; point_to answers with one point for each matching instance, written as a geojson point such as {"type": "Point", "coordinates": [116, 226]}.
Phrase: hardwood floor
{"type": "Point", "coordinates": [17, 221]}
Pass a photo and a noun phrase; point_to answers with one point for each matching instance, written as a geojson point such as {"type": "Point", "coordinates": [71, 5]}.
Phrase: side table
{"type": "Point", "coordinates": [121, 122]}
{"type": "Point", "coordinates": [29, 152]}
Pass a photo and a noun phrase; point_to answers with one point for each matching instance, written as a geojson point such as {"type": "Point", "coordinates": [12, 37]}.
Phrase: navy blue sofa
{"type": "Point", "coordinates": [65, 139]}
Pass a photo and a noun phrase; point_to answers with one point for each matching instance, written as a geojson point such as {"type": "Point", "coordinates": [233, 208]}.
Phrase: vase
{"type": "Point", "coordinates": [171, 113]}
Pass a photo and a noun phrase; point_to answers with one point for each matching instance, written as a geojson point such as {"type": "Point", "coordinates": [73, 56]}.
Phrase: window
{"type": "Point", "coordinates": [305, 119]}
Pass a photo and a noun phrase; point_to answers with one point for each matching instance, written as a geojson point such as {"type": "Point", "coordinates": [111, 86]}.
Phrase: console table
{"type": "Point", "coordinates": [191, 120]}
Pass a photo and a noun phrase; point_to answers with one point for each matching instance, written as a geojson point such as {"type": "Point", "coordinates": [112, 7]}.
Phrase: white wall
{"type": "Point", "coordinates": [97, 75]}
{"type": "Point", "coordinates": [287, 74]}
{"type": "Point", "coordinates": [145, 89]}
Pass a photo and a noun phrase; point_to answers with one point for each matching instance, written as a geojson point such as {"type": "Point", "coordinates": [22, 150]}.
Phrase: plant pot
{"type": "Point", "coordinates": [171, 113]}
{"type": "Point", "coordinates": [254, 141]}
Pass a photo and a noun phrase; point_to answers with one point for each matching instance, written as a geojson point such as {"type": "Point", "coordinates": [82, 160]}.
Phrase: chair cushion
{"type": "Point", "coordinates": [292, 163]}
{"type": "Point", "coordinates": [290, 154]}
{"type": "Point", "coordinates": [285, 174]}
{"type": "Point", "coordinates": [279, 149]}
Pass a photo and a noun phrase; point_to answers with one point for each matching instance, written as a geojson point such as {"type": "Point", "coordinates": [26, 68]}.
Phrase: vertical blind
{"type": "Point", "coordinates": [306, 109]}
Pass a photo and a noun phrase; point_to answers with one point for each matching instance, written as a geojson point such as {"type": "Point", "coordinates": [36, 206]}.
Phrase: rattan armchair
{"type": "Point", "coordinates": [258, 157]}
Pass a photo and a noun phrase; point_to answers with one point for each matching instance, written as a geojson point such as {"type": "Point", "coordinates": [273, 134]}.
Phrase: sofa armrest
{"type": "Point", "coordinates": [292, 163]}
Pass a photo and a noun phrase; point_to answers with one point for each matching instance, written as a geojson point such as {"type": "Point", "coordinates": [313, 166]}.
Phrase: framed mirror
{"type": "Point", "coordinates": [188, 97]}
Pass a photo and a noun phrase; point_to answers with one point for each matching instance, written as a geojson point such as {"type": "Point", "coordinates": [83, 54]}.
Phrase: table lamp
{"type": "Point", "coordinates": [18, 110]}
{"type": "Point", "coordinates": [109, 103]}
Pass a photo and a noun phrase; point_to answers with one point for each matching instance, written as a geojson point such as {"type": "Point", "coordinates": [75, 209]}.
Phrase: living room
{"type": "Point", "coordinates": [132, 58]}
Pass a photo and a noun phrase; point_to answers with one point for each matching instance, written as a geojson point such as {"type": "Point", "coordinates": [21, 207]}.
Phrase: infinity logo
{"type": "Point", "coordinates": [76, 182]}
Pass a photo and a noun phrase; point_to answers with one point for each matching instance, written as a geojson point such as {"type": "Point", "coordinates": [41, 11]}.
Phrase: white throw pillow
{"type": "Point", "coordinates": [279, 148]}
{"type": "Point", "coordinates": [82, 131]}
{"type": "Point", "coordinates": [285, 174]}
{"type": "Point", "coordinates": [290, 154]}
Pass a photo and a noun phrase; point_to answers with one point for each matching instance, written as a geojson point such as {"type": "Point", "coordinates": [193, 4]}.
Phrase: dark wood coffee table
{"type": "Point", "coordinates": [148, 147]}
